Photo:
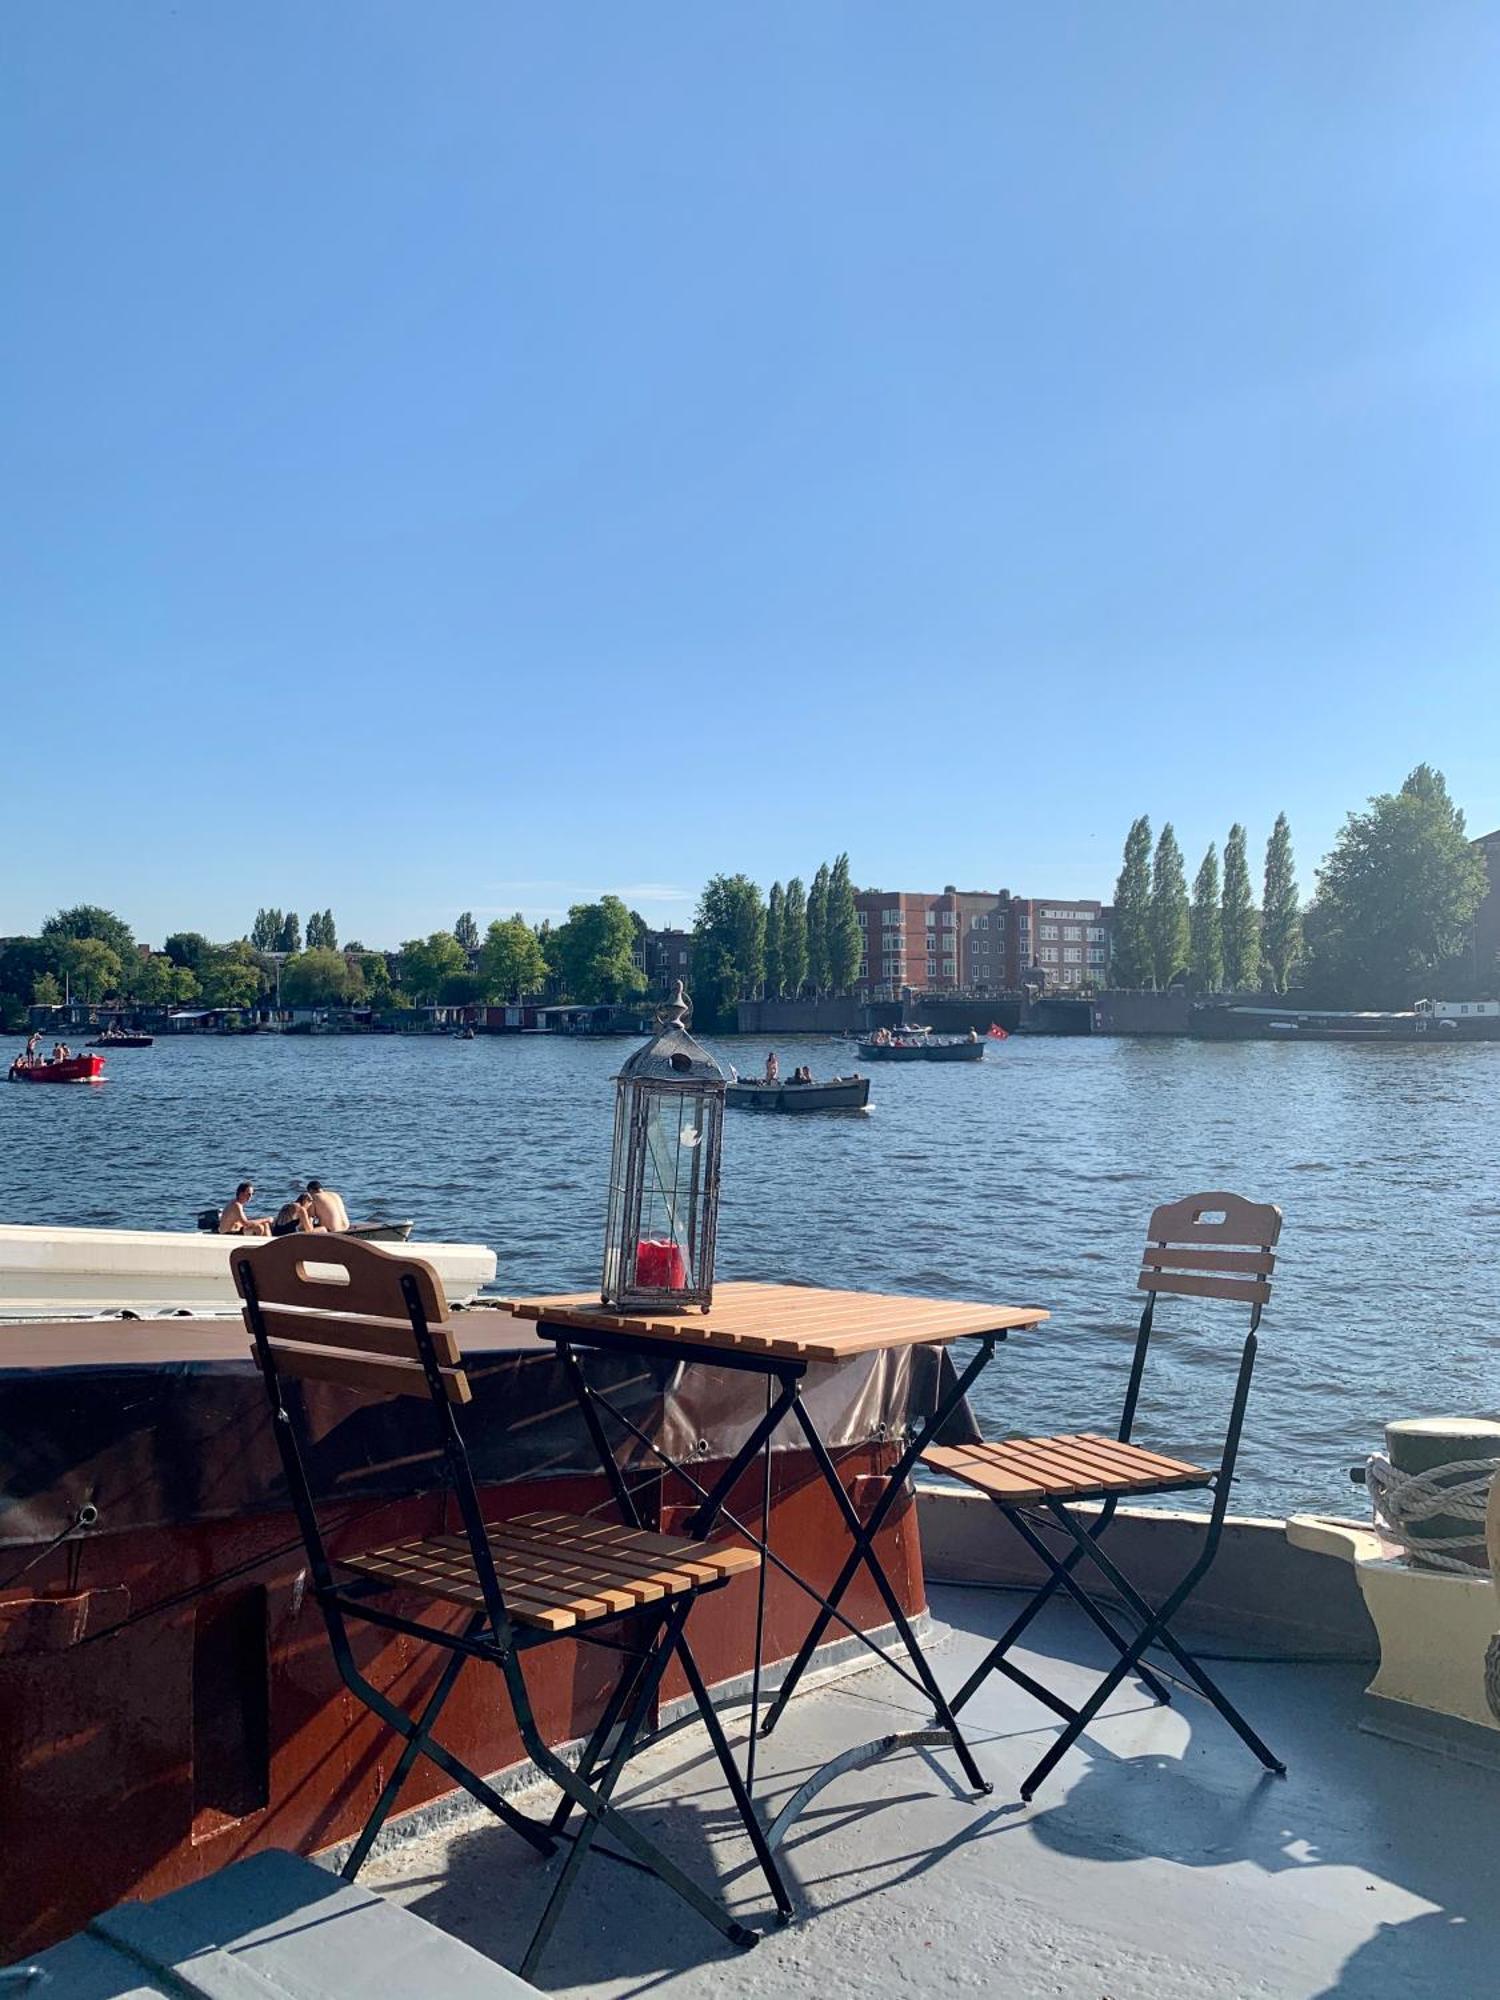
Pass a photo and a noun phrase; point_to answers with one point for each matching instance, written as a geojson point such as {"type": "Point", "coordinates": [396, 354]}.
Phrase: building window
{"type": "Point", "coordinates": [1071, 954]}
{"type": "Point", "coordinates": [1049, 930]}
{"type": "Point", "coordinates": [1071, 931]}
{"type": "Point", "coordinates": [1096, 934]}
{"type": "Point", "coordinates": [1096, 954]}
{"type": "Point", "coordinates": [864, 919]}
{"type": "Point", "coordinates": [889, 917]}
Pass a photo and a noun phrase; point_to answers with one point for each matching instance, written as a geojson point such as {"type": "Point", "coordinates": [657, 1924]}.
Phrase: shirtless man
{"type": "Point", "coordinates": [328, 1207]}
{"type": "Point", "coordinates": [235, 1222]}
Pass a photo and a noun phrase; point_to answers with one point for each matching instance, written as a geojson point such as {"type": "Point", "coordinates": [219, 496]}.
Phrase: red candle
{"type": "Point", "coordinates": [659, 1265]}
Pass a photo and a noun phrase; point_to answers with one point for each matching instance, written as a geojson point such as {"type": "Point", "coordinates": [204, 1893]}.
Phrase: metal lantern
{"type": "Point", "coordinates": [664, 1173]}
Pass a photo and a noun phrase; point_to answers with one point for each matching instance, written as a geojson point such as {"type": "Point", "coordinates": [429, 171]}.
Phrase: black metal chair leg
{"type": "Point", "coordinates": [744, 1804]}
{"type": "Point", "coordinates": [1064, 1578]}
{"type": "Point", "coordinates": [451, 1766]}
{"type": "Point", "coordinates": [416, 1742]}
{"type": "Point", "coordinates": [631, 1670]}
{"type": "Point", "coordinates": [1212, 1692]}
{"type": "Point", "coordinates": [1082, 1717]}
{"type": "Point", "coordinates": [595, 1801]}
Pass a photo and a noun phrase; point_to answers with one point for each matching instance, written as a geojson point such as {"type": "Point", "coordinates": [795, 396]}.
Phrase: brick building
{"type": "Point", "coordinates": [978, 942]}
{"type": "Point", "coordinates": [1066, 941]}
{"type": "Point", "coordinates": [664, 956]}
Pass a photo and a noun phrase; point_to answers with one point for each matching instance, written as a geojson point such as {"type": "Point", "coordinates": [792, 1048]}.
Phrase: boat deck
{"type": "Point", "coordinates": [1158, 1862]}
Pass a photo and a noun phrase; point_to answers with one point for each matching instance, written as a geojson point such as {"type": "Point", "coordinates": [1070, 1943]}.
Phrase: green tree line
{"type": "Point", "coordinates": [1393, 911]}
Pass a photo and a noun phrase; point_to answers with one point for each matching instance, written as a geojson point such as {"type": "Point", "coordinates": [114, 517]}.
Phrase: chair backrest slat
{"type": "Point", "coordinates": [361, 1334]}
{"type": "Point", "coordinates": [333, 1309]}
{"type": "Point", "coordinates": [1212, 1246]}
{"type": "Point", "coordinates": [370, 1375]}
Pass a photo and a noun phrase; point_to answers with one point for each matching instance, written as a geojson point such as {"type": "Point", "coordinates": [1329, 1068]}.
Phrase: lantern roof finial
{"type": "Point", "coordinates": [672, 1055]}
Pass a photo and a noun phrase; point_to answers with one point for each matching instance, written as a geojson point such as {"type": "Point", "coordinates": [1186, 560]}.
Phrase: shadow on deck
{"type": "Point", "coordinates": [1158, 1861]}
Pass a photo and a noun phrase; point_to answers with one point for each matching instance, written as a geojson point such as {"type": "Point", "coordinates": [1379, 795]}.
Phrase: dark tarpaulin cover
{"type": "Point", "coordinates": [166, 1421]}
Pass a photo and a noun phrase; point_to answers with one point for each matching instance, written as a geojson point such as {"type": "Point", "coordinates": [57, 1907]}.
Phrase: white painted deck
{"type": "Point", "coordinates": [1158, 1862]}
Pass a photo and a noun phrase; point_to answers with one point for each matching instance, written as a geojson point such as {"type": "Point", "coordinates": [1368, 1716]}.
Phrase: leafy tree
{"type": "Point", "coordinates": [265, 930]}
{"type": "Point", "coordinates": [87, 920]}
{"type": "Point", "coordinates": [818, 970]}
{"type": "Point", "coordinates": [232, 975]}
{"type": "Point", "coordinates": [330, 932]}
{"type": "Point", "coordinates": [312, 938]}
{"type": "Point", "coordinates": [467, 933]}
{"type": "Point", "coordinates": [46, 992]}
{"type": "Point", "coordinates": [1280, 918]}
{"type": "Point", "coordinates": [1131, 958]}
{"type": "Point", "coordinates": [23, 962]}
{"type": "Point", "coordinates": [1397, 896]}
{"type": "Point", "coordinates": [153, 980]}
{"type": "Point", "coordinates": [729, 944]}
{"type": "Point", "coordinates": [187, 948]}
{"type": "Point", "coordinates": [319, 977]}
{"type": "Point", "coordinates": [510, 960]}
{"type": "Point", "coordinates": [1169, 909]}
{"type": "Point", "coordinates": [461, 989]}
{"type": "Point", "coordinates": [289, 937]}
{"type": "Point", "coordinates": [375, 973]}
{"type": "Point", "coordinates": [1205, 938]}
{"type": "Point", "coordinates": [426, 962]}
{"type": "Point", "coordinates": [774, 904]}
{"type": "Point", "coordinates": [593, 953]}
{"type": "Point", "coordinates": [93, 969]}
{"type": "Point", "coordinates": [843, 928]}
{"type": "Point", "coordinates": [793, 939]}
{"type": "Point", "coordinates": [1239, 921]}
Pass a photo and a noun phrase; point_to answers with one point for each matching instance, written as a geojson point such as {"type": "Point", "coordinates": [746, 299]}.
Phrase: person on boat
{"type": "Point", "coordinates": [802, 1075]}
{"type": "Point", "coordinates": [328, 1208]}
{"type": "Point", "coordinates": [973, 1034]}
{"type": "Point", "coordinates": [33, 1045]}
{"type": "Point", "coordinates": [295, 1217]}
{"type": "Point", "coordinates": [773, 1069]}
{"type": "Point", "coordinates": [236, 1222]}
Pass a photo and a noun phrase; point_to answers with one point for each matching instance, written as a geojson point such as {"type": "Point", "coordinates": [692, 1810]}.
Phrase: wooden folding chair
{"type": "Point", "coordinates": [1206, 1246]}
{"type": "Point", "coordinates": [332, 1309]}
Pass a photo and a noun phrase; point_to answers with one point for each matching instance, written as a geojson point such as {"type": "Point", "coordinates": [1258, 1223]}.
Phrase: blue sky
{"type": "Point", "coordinates": [480, 456]}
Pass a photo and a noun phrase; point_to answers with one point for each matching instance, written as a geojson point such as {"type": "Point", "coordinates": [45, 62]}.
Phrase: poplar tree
{"type": "Point", "coordinates": [465, 930]}
{"type": "Point", "coordinates": [1280, 918]}
{"type": "Point", "coordinates": [774, 972]}
{"type": "Point", "coordinates": [1239, 919]}
{"type": "Point", "coordinates": [1205, 936]}
{"type": "Point", "coordinates": [843, 928]}
{"type": "Point", "coordinates": [1130, 955]}
{"type": "Point", "coordinates": [794, 939]}
{"type": "Point", "coordinates": [1169, 909]}
{"type": "Point", "coordinates": [817, 932]}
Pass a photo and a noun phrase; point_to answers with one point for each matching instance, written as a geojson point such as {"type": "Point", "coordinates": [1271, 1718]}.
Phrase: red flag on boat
{"type": "Point", "coordinates": [997, 1033]}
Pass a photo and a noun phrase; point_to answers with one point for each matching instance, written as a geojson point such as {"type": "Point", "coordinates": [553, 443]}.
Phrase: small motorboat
{"type": "Point", "coordinates": [122, 1041]}
{"type": "Point", "coordinates": [840, 1093]}
{"type": "Point", "coordinates": [367, 1232]}
{"type": "Point", "coordinates": [76, 1069]}
{"type": "Point", "coordinates": [924, 1048]}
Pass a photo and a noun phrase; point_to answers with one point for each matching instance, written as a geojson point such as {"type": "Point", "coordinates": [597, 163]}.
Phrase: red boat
{"type": "Point", "coordinates": [77, 1069]}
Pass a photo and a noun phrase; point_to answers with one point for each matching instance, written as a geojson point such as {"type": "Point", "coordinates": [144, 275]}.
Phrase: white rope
{"type": "Point", "coordinates": [1401, 1500]}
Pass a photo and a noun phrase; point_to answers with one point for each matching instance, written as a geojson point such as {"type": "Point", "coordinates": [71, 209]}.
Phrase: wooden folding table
{"type": "Point", "coordinates": [779, 1332]}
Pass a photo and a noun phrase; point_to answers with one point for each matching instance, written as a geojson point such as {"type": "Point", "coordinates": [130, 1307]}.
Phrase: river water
{"type": "Point", "coordinates": [1026, 1178]}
